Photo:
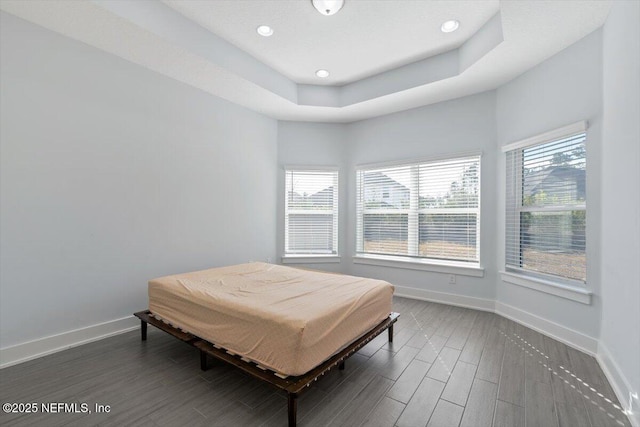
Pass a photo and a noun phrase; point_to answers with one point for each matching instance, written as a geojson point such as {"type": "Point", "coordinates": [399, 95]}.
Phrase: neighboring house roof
{"type": "Point", "coordinates": [383, 180]}
{"type": "Point", "coordinates": [294, 198]}
{"type": "Point", "coordinates": [393, 194]}
{"type": "Point", "coordinates": [322, 197]}
{"type": "Point", "coordinates": [553, 179]}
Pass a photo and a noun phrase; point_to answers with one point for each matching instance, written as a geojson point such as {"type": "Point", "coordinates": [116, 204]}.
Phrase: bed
{"type": "Point", "coordinates": [283, 325]}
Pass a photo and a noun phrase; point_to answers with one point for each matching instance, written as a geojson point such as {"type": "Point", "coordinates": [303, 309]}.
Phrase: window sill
{"type": "Point", "coordinates": [440, 267]}
{"type": "Point", "coordinates": [310, 259]}
{"type": "Point", "coordinates": [573, 293]}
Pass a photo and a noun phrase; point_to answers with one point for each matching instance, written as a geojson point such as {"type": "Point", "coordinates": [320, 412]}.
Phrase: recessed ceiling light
{"type": "Point", "coordinates": [450, 26]}
{"type": "Point", "coordinates": [322, 74]}
{"type": "Point", "coordinates": [264, 30]}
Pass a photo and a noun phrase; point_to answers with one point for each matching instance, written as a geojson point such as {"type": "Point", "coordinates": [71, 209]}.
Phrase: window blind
{"type": "Point", "coordinates": [426, 210]}
{"type": "Point", "coordinates": [311, 212]}
{"type": "Point", "coordinates": [546, 208]}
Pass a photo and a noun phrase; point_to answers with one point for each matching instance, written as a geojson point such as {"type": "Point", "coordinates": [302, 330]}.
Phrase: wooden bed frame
{"type": "Point", "coordinates": [293, 386]}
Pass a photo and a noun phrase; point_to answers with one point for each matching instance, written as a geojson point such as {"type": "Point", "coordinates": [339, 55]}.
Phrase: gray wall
{"type": "Point", "coordinates": [620, 331]}
{"type": "Point", "coordinates": [112, 175]}
{"type": "Point", "coordinates": [562, 90]}
{"type": "Point", "coordinates": [314, 144]}
{"type": "Point", "coordinates": [457, 126]}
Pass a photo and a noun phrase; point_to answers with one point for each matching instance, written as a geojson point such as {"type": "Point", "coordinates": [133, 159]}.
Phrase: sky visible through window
{"type": "Point", "coordinates": [567, 151]}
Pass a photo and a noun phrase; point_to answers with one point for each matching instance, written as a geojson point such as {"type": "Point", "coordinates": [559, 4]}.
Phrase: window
{"type": "Point", "coordinates": [311, 212]}
{"type": "Point", "coordinates": [546, 206]}
{"type": "Point", "coordinates": [422, 211]}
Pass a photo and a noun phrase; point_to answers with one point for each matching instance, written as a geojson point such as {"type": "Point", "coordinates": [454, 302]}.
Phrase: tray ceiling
{"type": "Point", "coordinates": [383, 56]}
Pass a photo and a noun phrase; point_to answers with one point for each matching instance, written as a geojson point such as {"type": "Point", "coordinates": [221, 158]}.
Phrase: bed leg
{"type": "Point", "coordinates": [341, 366]}
{"type": "Point", "coordinates": [293, 408]}
{"type": "Point", "coordinates": [391, 333]}
{"type": "Point", "coordinates": [203, 360]}
{"type": "Point", "coordinates": [143, 330]}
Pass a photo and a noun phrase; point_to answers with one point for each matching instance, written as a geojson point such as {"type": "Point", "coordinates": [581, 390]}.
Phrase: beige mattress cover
{"type": "Point", "coordinates": [286, 319]}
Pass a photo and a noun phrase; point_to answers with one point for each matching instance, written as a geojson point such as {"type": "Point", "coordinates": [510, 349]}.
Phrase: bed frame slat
{"type": "Point", "coordinates": [293, 385]}
{"type": "Point", "coordinates": [146, 317]}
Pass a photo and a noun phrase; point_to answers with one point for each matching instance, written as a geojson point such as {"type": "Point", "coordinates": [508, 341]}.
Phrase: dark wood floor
{"type": "Point", "coordinates": [447, 366]}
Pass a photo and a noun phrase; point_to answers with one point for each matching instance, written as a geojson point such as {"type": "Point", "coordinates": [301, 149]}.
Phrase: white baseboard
{"type": "Point", "coordinates": [23, 352]}
{"type": "Point", "coordinates": [621, 386]}
{"type": "Point", "coordinates": [575, 339]}
{"type": "Point", "coordinates": [568, 336]}
{"type": "Point", "coordinates": [445, 298]}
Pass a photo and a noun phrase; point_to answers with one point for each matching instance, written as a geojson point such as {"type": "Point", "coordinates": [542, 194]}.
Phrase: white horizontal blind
{"type": "Point", "coordinates": [546, 209]}
{"type": "Point", "coordinates": [425, 210]}
{"type": "Point", "coordinates": [311, 212]}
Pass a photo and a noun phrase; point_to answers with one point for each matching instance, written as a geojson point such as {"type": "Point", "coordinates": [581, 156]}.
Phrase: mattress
{"type": "Point", "coordinates": [286, 319]}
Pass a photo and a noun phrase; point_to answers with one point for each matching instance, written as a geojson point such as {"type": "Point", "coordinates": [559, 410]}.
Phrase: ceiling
{"type": "Point", "coordinates": [384, 56]}
{"type": "Point", "coordinates": [363, 39]}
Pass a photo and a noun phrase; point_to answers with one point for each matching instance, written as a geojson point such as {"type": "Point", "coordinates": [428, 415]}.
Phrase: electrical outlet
{"type": "Point", "coordinates": [268, 260]}
{"type": "Point", "coordinates": [452, 279]}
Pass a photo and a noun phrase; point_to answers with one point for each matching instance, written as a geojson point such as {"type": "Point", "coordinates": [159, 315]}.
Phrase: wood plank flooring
{"type": "Point", "coordinates": [447, 366]}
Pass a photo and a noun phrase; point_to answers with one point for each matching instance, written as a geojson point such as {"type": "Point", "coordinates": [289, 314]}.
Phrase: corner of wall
{"type": "Point", "coordinates": [624, 391]}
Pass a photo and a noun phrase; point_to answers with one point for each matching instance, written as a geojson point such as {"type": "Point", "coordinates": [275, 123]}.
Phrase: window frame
{"type": "Point", "coordinates": [312, 256]}
{"type": "Point", "coordinates": [566, 287]}
{"type": "Point", "coordinates": [412, 260]}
